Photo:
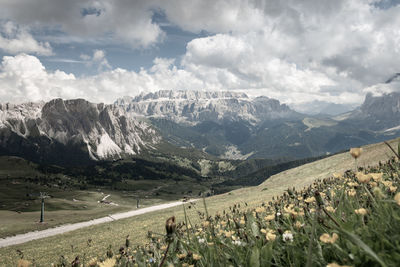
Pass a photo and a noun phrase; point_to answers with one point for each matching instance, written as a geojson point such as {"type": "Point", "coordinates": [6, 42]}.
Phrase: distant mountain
{"type": "Point", "coordinates": [72, 131]}
{"type": "Point", "coordinates": [235, 126]}
{"type": "Point", "coordinates": [378, 113]}
{"type": "Point", "coordinates": [199, 106]}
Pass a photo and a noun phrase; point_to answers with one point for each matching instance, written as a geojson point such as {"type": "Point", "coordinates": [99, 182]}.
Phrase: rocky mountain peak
{"type": "Point", "coordinates": [196, 106]}
{"type": "Point", "coordinates": [103, 131]}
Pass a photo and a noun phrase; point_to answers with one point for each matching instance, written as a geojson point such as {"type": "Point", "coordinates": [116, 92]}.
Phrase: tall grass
{"type": "Point", "coordinates": [350, 219]}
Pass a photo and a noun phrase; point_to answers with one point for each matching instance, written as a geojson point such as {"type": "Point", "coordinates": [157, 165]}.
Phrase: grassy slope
{"type": "Point", "coordinates": [47, 250]}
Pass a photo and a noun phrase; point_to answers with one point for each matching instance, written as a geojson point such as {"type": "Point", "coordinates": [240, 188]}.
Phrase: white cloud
{"type": "Point", "coordinates": [296, 51]}
{"type": "Point", "coordinates": [15, 39]}
{"type": "Point", "coordinates": [124, 21]}
{"type": "Point", "coordinates": [98, 58]}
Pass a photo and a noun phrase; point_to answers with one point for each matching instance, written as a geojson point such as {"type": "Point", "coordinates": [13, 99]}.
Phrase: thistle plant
{"type": "Point", "coordinates": [356, 153]}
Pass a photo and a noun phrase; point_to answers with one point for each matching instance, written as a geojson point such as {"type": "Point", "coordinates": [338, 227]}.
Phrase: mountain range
{"type": "Point", "coordinates": [219, 124]}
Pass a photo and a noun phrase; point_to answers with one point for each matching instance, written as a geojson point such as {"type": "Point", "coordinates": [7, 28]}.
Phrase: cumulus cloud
{"type": "Point", "coordinates": [296, 51]}
{"type": "Point", "coordinates": [125, 21]}
{"type": "Point", "coordinates": [15, 39]}
{"type": "Point", "coordinates": [98, 58]}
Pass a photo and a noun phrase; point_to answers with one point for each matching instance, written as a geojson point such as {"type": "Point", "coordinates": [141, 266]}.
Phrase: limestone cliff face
{"type": "Point", "coordinates": [198, 106]}
{"type": "Point", "coordinates": [102, 131]}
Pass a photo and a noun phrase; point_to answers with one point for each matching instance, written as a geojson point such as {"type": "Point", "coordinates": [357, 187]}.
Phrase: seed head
{"type": "Point", "coordinates": [170, 225]}
{"type": "Point", "coordinates": [355, 152]}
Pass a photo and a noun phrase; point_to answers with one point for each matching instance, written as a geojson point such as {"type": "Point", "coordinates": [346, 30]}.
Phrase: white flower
{"type": "Point", "coordinates": [287, 236]}
{"type": "Point", "coordinates": [238, 243]}
{"type": "Point", "coordinates": [202, 240]}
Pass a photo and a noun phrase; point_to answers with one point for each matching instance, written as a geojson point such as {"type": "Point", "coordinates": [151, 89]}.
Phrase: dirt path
{"type": "Point", "coordinates": [22, 238]}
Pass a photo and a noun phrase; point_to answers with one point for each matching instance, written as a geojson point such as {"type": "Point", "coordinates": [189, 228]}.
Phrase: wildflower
{"type": "Point", "coordinates": [263, 231]}
{"type": "Point", "coordinates": [373, 184]}
{"type": "Point", "coordinates": [351, 192]}
{"type": "Point", "coordinates": [228, 234]}
{"type": "Point", "coordinates": [377, 176]}
{"type": "Point", "coordinates": [363, 178]}
{"type": "Point", "coordinates": [337, 175]}
{"type": "Point", "coordinates": [182, 256]}
{"type": "Point", "coordinates": [397, 198]}
{"type": "Point", "coordinates": [393, 189]}
{"type": "Point", "coordinates": [206, 224]}
{"type": "Point", "coordinates": [270, 217]}
{"type": "Point", "coordinates": [110, 262]}
{"type": "Point", "coordinates": [260, 209]}
{"type": "Point", "coordinates": [210, 243]}
{"type": "Point", "coordinates": [196, 257]}
{"type": "Point", "coordinates": [202, 240]}
{"type": "Point", "coordinates": [361, 211]}
{"type": "Point", "coordinates": [387, 183]}
{"type": "Point", "coordinates": [310, 200]}
{"type": "Point", "coordinates": [330, 209]}
{"type": "Point", "coordinates": [237, 243]}
{"type": "Point", "coordinates": [354, 184]}
{"type": "Point", "coordinates": [355, 152]}
{"type": "Point", "coordinates": [271, 236]}
{"type": "Point", "coordinates": [326, 238]}
{"type": "Point", "coordinates": [163, 247]}
{"type": "Point", "coordinates": [287, 236]}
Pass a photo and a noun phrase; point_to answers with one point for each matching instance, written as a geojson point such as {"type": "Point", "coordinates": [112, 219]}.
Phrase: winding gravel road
{"type": "Point", "coordinates": [22, 238]}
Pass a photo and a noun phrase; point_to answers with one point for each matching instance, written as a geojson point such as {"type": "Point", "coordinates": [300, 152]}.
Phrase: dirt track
{"type": "Point", "coordinates": [22, 238]}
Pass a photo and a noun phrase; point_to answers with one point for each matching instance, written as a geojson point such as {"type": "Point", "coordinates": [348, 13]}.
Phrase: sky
{"type": "Point", "coordinates": [308, 54]}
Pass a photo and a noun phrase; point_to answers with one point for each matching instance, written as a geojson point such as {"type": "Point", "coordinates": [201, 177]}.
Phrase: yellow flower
{"type": "Point", "coordinates": [108, 263]}
{"type": "Point", "coordinates": [373, 184]}
{"type": "Point", "coordinates": [242, 221]}
{"type": "Point", "coordinates": [206, 224]}
{"type": "Point", "coordinates": [310, 200]}
{"type": "Point", "coordinates": [260, 209]}
{"type": "Point", "coordinates": [270, 217]}
{"type": "Point", "coordinates": [355, 152]}
{"type": "Point", "coordinates": [397, 198]}
{"type": "Point", "coordinates": [363, 178]}
{"type": "Point", "coordinates": [270, 235]}
{"type": "Point", "coordinates": [387, 183]}
{"type": "Point", "coordinates": [361, 211]}
{"type": "Point", "coordinates": [196, 257]}
{"type": "Point", "coordinates": [263, 231]}
{"type": "Point", "coordinates": [210, 243]}
{"type": "Point", "coordinates": [228, 234]}
{"type": "Point", "coordinates": [353, 184]}
{"type": "Point", "coordinates": [163, 247]}
{"type": "Point", "coordinates": [377, 176]}
{"type": "Point", "coordinates": [326, 238]}
{"type": "Point", "coordinates": [334, 264]}
{"type": "Point", "coordinates": [351, 192]}
{"type": "Point", "coordinates": [393, 188]}
{"type": "Point", "coordinates": [330, 209]}
{"type": "Point", "coordinates": [337, 175]}
{"type": "Point", "coordinates": [182, 256]}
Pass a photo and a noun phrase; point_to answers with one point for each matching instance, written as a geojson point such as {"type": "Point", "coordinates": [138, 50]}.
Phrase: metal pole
{"type": "Point", "coordinates": [42, 212]}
